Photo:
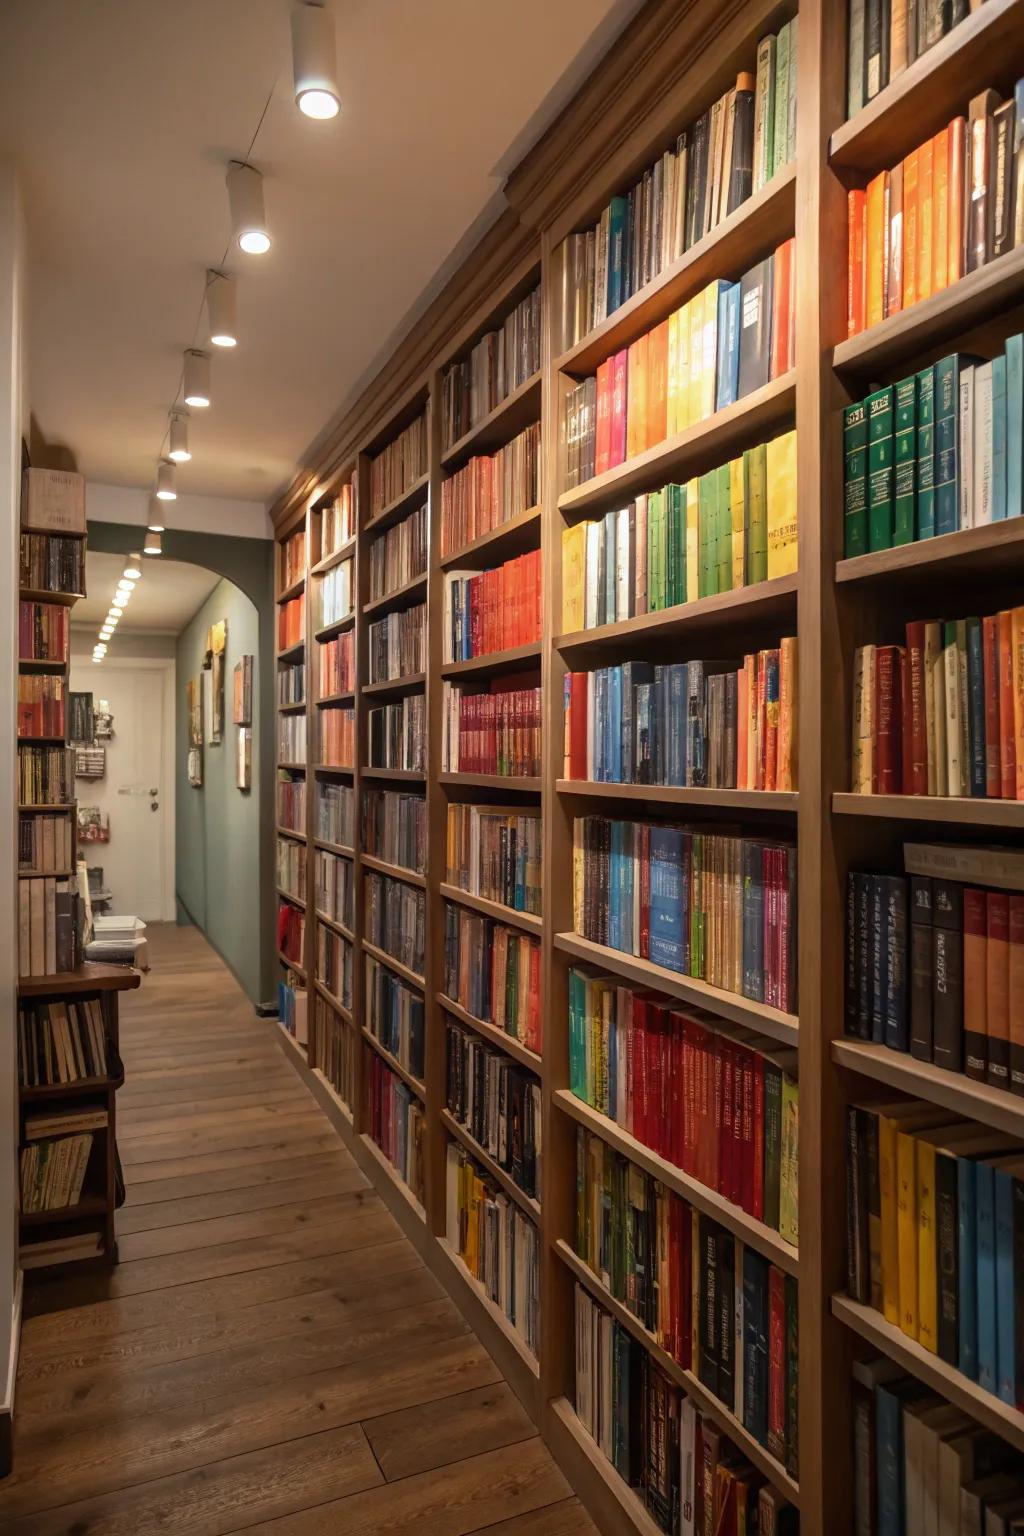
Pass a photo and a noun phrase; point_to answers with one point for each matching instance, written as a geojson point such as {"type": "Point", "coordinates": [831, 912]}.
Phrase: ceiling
{"type": "Point", "coordinates": [121, 116]}
{"type": "Point", "coordinates": [164, 600]}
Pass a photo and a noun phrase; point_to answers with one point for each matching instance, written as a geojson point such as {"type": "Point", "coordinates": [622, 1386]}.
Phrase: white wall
{"type": "Point", "coordinates": [194, 514]}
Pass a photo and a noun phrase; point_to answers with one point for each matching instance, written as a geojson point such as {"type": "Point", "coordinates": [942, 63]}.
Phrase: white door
{"type": "Point", "coordinates": [137, 791]}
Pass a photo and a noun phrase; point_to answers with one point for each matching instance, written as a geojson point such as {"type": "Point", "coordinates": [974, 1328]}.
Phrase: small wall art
{"type": "Point", "coordinates": [242, 710]}
{"type": "Point", "coordinates": [194, 699]}
{"type": "Point", "coordinates": [216, 646]}
{"type": "Point", "coordinates": [195, 767]}
{"type": "Point", "coordinates": [243, 766]}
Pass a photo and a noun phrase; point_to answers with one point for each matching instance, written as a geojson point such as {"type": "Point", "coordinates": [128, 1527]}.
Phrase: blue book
{"type": "Point", "coordinates": [925, 524]}
{"type": "Point", "coordinates": [755, 1345]}
{"type": "Point", "coordinates": [616, 251]}
{"type": "Point", "coordinates": [614, 845]}
{"type": "Point", "coordinates": [967, 1277]}
{"type": "Point", "coordinates": [1014, 425]}
{"type": "Point", "coordinates": [627, 877]}
{"type": "Point", "coordinates": [976, 708]}
{"type": "Point", "coordinates": [659, 718]}
{"type": "Point", "coordinates": [998, 439]}
{"type": "Point", "coordinates": [728, 345]}
{"type": "Point", "coordinates": [753, 920]}
{"type": "Point", "coordinates": [666, 942]}
{"type": "Point", "coordinates": [984, 1187]}
{"type": "Point", "coordinates": [684, 900]}
{"type": "Point", "coordinates": [947, 444]}
{"type": "Point", "coordinates": [613, 733]}
{"type": "Point", "coordinates": [696, 771]}
{"type": "Point", "coordinates": [889, 1459]}
{"type": "Point", "coordinates": [1006, 1373]}
{"type": "Point", "coordinates": [677, 710]}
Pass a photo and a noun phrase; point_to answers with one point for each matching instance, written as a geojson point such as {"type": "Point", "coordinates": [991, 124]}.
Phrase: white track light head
{"type": "Point", "coordinates": [153, 544]}
{"type": "Point", "coordinates": [248, 219]}
{"type": "Point", "coordinates": [179, 450]}
{"type": "Point", "coordinates": [313, 61]}
{"type": "Point", "coordinates": [197, 378]}
{"type": "Point", "coordinates": [221, 309]}
{"type": "Point", "coordinates": [133, 570]}
{"type": "Point", "coordinates": [165, 482]}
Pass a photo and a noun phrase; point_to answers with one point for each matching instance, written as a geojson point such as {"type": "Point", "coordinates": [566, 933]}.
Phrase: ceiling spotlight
{"type": "Point", "coordinates": [221, 309]}
{"type": "Point", "coordinates": [106, 631]}
{"type": "Point", "coordinates": [96, 659]}
{"type": "Point", "coordinates": [120, 600]}
{"type": "Point", "coordinates": [248, 220]}
{"type": "Point", "coordinates": [133, 570]}
{"type": "Point", "coordinates": [153, 544]}
{"type": "Point", "coordinates": [113, 616]}
{"type": "Point", "coordinates": [100, 648]}
{"type": "Point", "coordinates": [165, 482]}
{"type": "Point", "coordinates": [124, 585]}
{"type": "Point", "coordinates": [197, 378]}
{"type": "Point", "coordinates": [313, 61]}
{"type": "Point", "coordinates": [178, 450]}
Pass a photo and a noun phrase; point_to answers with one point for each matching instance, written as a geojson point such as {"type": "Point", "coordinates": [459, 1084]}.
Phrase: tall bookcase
{"type": "Point", "coordinates": [672, 64]}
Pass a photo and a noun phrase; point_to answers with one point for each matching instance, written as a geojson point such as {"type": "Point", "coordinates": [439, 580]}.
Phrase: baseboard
{"type": "Point", "coordinates": [7, 1405]}
{"type": "Point", "coordinates": [220, 953]}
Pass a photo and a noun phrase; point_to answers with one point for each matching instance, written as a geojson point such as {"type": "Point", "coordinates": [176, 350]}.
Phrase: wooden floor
{"type": "Point", "coordinates": [270, 1355]}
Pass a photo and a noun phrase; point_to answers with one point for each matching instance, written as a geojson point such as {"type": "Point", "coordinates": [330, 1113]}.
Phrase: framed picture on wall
{"type": "Point", "coordinates": [195, 767]}
{"type": "Point", "coordinates": [243, 766]}
{"type": "Point", "coordinates": [217, 698]}
{"type": "Point", "coordinates": [194, 699]}
{"type": "Point", "coordinates": [242, 709]}
{"type": "Point", "coordinates": [207, 677]}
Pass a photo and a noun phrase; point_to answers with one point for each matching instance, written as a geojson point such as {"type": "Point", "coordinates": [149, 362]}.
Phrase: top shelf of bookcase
{"type": "Point", "coordinates": [406, 502]}
{"type": "Point", "coordinates": [90, 976]}
{"type": "Point", "coordinates": [66, 599]}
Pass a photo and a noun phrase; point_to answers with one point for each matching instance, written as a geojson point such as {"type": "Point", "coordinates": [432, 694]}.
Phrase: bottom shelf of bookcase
{"type": "Point", "coordinates": [517, 1362]}
{"type": "Point", "coordinates": [395, 1178]}
{"type": "Point", "coordinates": [608, 1498]}
{"type": "Point", "coordinates": [950, 1383]}
{"type": "Point", "coordinates": [300, 1050]}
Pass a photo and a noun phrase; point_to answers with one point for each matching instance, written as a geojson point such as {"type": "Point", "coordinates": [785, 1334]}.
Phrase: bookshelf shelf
{"type": "Point", "coordinates": [344, 768]}
{"type": "Point", "coordinates": [328, 631]}
{"type": "Point", "coordinates": [87, 1209]}
{"type": "Point", "coordinates": [708, 1403]}
{"type": "Point", "coordinates": [993, 550]}
{"type": "Point", "coordinates": [396, 871]}
{"type": "Point", "coordinates": [45, 874]}
{"type": "Point", "coordinates": [335, 698]}
{"type": "Point", "coordinates": [513, 537]}
{"type": "Point", "coordinates": [91, 976]}
{"type": "Point", "coordinates": [401, 597]}
{"type": "Point", "coordinates": [997, 1107]}
{"type": "Point", "coordinates": [39, 1092]}
{"type": "Point", "coordinates": [958, 809]}
{"type": "Point", "coordinates": [342, 848]}
{"type": "Point", "coordinates": [523, 784]}
{"type": "Point", "coordinates": [508, 418]}
{"type": "Point", "coordinates": [394, 509]}
{"type": "Point", "coordinates": [290, 709]}
{"type": "Point", "coordinates": [589, 1470]}
{"type": "Point", "coordinates": [335, 1002]}
{"type": "Point", "coordinates": [764, 605]}
{"type": "Point", "coordinates": [494, 1169]}
{"type": "Point", "coordinates": [747, 1228]}
{"type": "Point", "coordinates": [518, 656]}
{"type": "Point", "coordinates": [688, 453]}
{"type": "Point", "coordinates": [60, 808]}
{"type": "Point", "coordinates": [293, 965]}
{"type": "Point", "coordinates": [754, 229]}
{"type": "Point", "coordinates": [395, 686]}
{"type": "Point", "coordinates": [404, 971]}
{"type": "Point", "coordinates": [330, 561]}
{"type": "Point", "coordinates": [298, 837]}
{"type": "Point", "coordinates": [761, 1017]}
{"type": "Point", "coordinates": [292, 652]}
{"type": "Point", "coordinates": [987, 1409]}
{"type": "Point", "coordinates": [293, 767]}
{"type": "Point", "coordinates": [330, 922]}
{"type": "Point", "coordinates": [297, 586]}
{"type": "Point", "coordinates": [525, 920]}
{"type": "Point", "coordinates": [42, 664]}
{"type": "Point", "coordinates": [297, 901]}
{"type": "Point", "coordinates": [394, 1064]}
{"type": "Point", "coordinates": [398, 775]}
{"type": "Point", "coordinates": [293, 1044]}
{"type": "Point", "coordinates": [777, 800]}
{"type": "Point", "coordinates": [392, 1174]}
{"type": "Point", "coordinates": [500, 1336]}
{"type": "Point", "coordinates": [36, 595]}
{"type": "Point", "coordinates": [507, 1043]}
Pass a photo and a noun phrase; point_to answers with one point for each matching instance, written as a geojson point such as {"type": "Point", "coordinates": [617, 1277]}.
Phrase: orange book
{"type": "Point", "coordinates": [1017, 632]}
{"type": "Point", "coordinates": [925, 219]}
{"type": "Point", "coordinates": [657, 384]}
{"type": "Point", "coordinates": [603, 430]}
{"type": "Point", "coordinates": [940, 213]}
{"type": "Point", "coordinates": [910, 237]}
{"type": "Point", "coordinates": [876, 243]}
{"type": "Point", "coordinates": [761, 727]}
{"type": "Point", "coordinates": [782, 309]}
{"type": "Point", "coordinates": [636, 398]}
{"type": "Point", "coordinates": [1007, 738]}
{"type": "Point", "coordinates": [957, 132]}
{"type": "Point", "coordinates": [786, 773]}
{"type": "Point", "coordinates": [856, 205]}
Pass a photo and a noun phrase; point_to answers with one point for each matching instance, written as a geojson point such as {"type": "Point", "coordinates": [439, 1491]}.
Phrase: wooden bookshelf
{"type": "Point", "coordinates": [973, 1100]}
{"type": "Point", "coordinates": [781, 801]}
{"type": "Point", "coordinates": [493, 1168]}
{"type": "Point", "coordinates": [395, 871]}
{"type": "Point", "coordinates": [768, 604]}
{"type": "Point", "coordinates": [496, 909]}
{"type": "Point", "coordinates": [955, 810]}
{"type": "Point", "coordinates": [505, 1042]}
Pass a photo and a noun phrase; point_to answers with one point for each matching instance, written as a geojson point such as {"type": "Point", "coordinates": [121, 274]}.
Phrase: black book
{"type": "Point", "coordinates": [875, 36]}
{"type": "Point", "coordinates": [872, 1181]}
{"type": "Point", "coordinates": [741, 171]}
{"type": "Point", "coordinates": [792, 1376]}
{"type": "Point", "coordinates": [755, 327]}
{"type": "Point", "coordinates": [857, 1280]}
{"type": "Point", "coordinates": [879, 955]}
{"type": "Point", "coordinates": [947, 975]}
{"type": "Point", "coordinates": [727, 1318]}
{"type": "Point", "coordinates": [696, 191]}
{"type": "Point", "coordinates": [707, 1333]}
{"type": "Point", "coordinates": [921, 967]}
{"type": "Point", "coordinates": [1001, 201]}
{"type": "Point", "coordinates": [897, 1028]}
{"type": "Point", "coordinates": [947, 1256]}
{"type": "Point", "coordinates": [755, 1344]}
{"type": "Point", "coordinates": [1018, 1278]}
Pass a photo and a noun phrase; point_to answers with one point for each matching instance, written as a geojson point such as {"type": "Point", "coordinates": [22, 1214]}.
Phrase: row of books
{"type": "Point", "coordinates": [934, 1216]}
{"type": "Point", "coordinates": [885, 36]}
{"type": "Point", "coordinates": [729, 528]}
{"type": "Point", "coordinates": [671, 1267]}
{"type": "Point", "coordinates": [397, 644]}
{"type": "Point", "coordinates": [338, 518]}
{"type": "Point", "coordinates": [731, 151]}
{"type": "Point", "coordinates": [291, 683]}
{"type": "Point", "coordinates": [501, 361]}
{"type": "Point", "coordinates": [291, 931]}
{"type": "Point", "coordinates": [50, 562]}
{"type": "Point", "coordinates": [293, 1007]}
{"type": "Point", "coordinates": [718, 907]}
{"type": "Point", "coordinates": [688, 1475]}
{"type": "Point", "coordinates": [334, 964]}
{"type": "Point", "coordinates": [394, 828]}
{"type": "Point", "coordinates": [52, 1172]}
{"type": "Point", "coordinates": [395, 1015]}
{"type": "Point", "coordinates": [46, 775]}
{"type": "Point", "coordinates": [947, 209]}
{"type": "Point", "coordinates": [495, 852]}
{"type": "Point", "coordinates": [494, 610]}
{"type": "Point", "coordinates": [61, 1042]}
{"type": "Point", "coordinates": [45, 845]}
{"type": "Point", "coordinates": [291, 867]}
{"type": "Point", "coordinates": [81, 718]}
{"type": "Point", "coordinates": [699, 360]}
{"type": "Point", "coordinates": [291, 622]}
{"type": "Point", "coordinates": [498, 1103]}
{"type": "Point", "coordinates": [337, 664]}
{"type": "Point", "coordinates": [335, 813]}
{"type": "Point", "coordinates": [399, 465]}
{"type": "Point", "coordinates": [942, 715]}
{"type": "Point", "coordinates": [332, 1050]}
{"type": "Point", "coordinates": [293, 559]}
{"type": "Point", "coordinates": [696, 723]}
{"type": "Point", "coordinates": [395, 919]}
{"type": "Point", "coordinates": [722, 1107]}
{"type": "Point", "coordinates": [49, 926]}
{"type": "Point", "coordinates": [291, 801]}
{"type": "Point", "coordinates": [43, 631]}
{"type": "Point", "coordinates": [493, 972]}
{"type": "Point", "coordinates": [496, 1240]}
{"type": "Point", "coordinates": [40, 705]}
{"type": "Point", "coordinates": [291, 738]}
{"type": "Point", "coordinates": [337, 735]}
{"type": "Point", "coordinates": [394, 1119]}
{"type": "Point", "coordinates": [334, 886]}
{"type": "Point", "coordinates": [490, 490]}
{"type": "Point", "coordinates": [494, 730]}
{"type": "Point", "coordinates": [399, 554]}
{"type": "Point", "coordinates": [334, 594]}
{"type": "Point", "coordinates": [397, 734]}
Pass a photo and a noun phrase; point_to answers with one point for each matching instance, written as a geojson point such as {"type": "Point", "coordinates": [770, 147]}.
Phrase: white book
{"type": "Point", "coordinates": [688, 1470]}
{"type": "Point", "coordinates": [601, 267]}
{"type": "Point", "coordinates": [622, 571]}
{"type": "Point", "coordinates": [967, 447]}
{"type": "Point", "coordinates": [592, 591]}
{"type": "Point", "coordinates": [981, 498]}
{"type": "Point", "coordinates": [954, 763]}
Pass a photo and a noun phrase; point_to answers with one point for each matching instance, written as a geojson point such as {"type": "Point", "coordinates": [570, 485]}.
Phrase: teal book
{"type": "Point", "coordinates": [905, 461]}
{"type": "Point", "coordinates": [881, 411]}
{"type": "Point", "coordinates": [728, 345]}
{"type": "Point", "coordinates": [616, 247]}
{"type": "Point", "coordinates": [1006, 1374]}
{"type": "Point", "coordinates": [967, 1266]}
{"type": "Point", "coordinates": [855, 480]}
{"type": "Point", "coordinates": [947, 444]}
{"type": "Point", "coordinates": [925, 525]}
{"type": "Point", "coordinates": [723, 539]}
{"type": "Point", "coordinates": [998, 439]}
{"type": "Point", "coordinates": [1014, 425]}
{"type": "Point", "coordinates": [986, 1270]}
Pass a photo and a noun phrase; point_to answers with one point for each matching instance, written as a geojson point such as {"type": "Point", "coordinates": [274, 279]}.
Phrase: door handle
{"type": "Point", "coordinates": [154, 805]}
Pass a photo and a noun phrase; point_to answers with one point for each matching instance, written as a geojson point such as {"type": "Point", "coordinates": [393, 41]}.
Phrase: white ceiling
{"type": "Point", "coordinates": [121, 116]}
{"type": "Point", "coordinates": [164, 600]}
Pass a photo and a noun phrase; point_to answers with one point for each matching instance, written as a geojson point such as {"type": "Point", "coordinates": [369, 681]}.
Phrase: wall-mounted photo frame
{"type": "Point", "coordinates": [195, 767]}
{"type": "Point", "coordinates": [194, 699]}
{"type": "Point", "coordinates": [216, 646]}
{"type": "Point", "coordinates": [242, 704]}
{"type": "Point", "coordinates": [243, 763]}
{"type": "Point", "coordinates": [207, 687]}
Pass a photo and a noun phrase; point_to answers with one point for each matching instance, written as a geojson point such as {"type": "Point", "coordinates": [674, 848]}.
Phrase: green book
{"type": "Point", "coordinates": [706, 576]}
{"type": "Point", "coordinates": [781, 123]}
{"type": "Point", "coordinates": [675, 496]}
{"type": "Point", "coordinates": [947, 444]}
{"type": "Point", "coordinates": [724, 539]}
{"type": "Point", "coordinates": [671, 545]}
{"type": "Point", "coordinates": [755, 496]}
{"type": "Point", "coordinates": [881, 409]}
{"type": "Point", "coordinates": [905, 461]}
{"type": "Point", "coordinates": [655, 567]}
{"type": "Point", "coordinates": [925, 525]}
{"type": "Point", "coordinates": [855, 480]}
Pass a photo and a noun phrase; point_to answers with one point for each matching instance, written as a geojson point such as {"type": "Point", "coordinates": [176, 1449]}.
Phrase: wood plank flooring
{"type": "Point", "coordinates": [271, 1354]}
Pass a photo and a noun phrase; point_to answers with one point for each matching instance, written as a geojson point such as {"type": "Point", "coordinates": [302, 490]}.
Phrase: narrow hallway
{"type": "Point", "coordinates": [249, 1364]}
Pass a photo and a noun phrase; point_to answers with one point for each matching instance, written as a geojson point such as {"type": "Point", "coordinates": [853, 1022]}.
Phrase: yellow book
{"type": "Point", "coordinates": [692, 540]}
{"type": "Point", "coordinates": [696, 308]}
{"type": "Point", "coordinates": [739, 551]}
{"type": "Point", "coordinates": [927, 1280]}
{"type": "Point", "coordinates": [574, 560]}
{"type": "Point", "coordinates": [782, 503]}
{"type": "Point", "coordinates": [682, 407]}
{"type": "Point", "coordinates": [672, 385]}
{"type": "Point", "coordinates": [709, 355]}
{"type": "Point", "coordinates": [906, 1233]}
{"type": "Point", "coordinates": [577, 875]}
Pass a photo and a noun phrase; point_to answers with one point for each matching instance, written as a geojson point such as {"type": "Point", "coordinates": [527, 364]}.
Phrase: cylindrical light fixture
{"type": "Point", "coordinates": [106, 631]}
{"type": "Point", "coordinates": [313, 60]}
{"type": "Point", "coordinates": [178, 450]}
{"type": "Point", "coordinates": [113, 616]}
{"type": "Point", "coordinates": [221, 309]}
{"type": "Point", "coordinates": [248, 220]}
{"type": "Point", "coordinates": [101, 647]}
{"type": "Point", "coordinates": [126, 585]}
{"type": "Point", "coordinates": [156, 516]}
{"type": "Point", "coordinates": [119, 600]}
{"type": "Point", "coordinates": [165, 482]}
{"type": "Point", "coordinates": [133, 570]}
{"type": "Point", "coordinates": [153, 544]}
{"type": "Point", "coordinates": [197, 378]}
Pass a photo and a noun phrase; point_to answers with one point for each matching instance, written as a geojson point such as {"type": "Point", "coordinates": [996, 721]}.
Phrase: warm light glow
{"type": "Point", "coordinates": [197, 379]}
{"type": "Point", "coordinates": [97, 659]}
{"type": "Point", "coordinates": [221, 309]}
{"type": "Point", "coordinates": [179, 450]}
{"type": "Point", "coordinates": [132, 572]}
{"type": "Point", "coordinates": [248, 220]}
{"type": "Point", "coordinates": [318, 104]}
{"type": "Point", "coordinates": [255, 242]}
{"type": "Point", "coordinates": [314, 61]}
{"type": "Point", "coordinates": [165, 483]}
{"type": "Point", "coordinates": [124, 585]}
{"type": "Point", "coordinates": [153, 544]}
{"type": "Point", "coordinates": [120, 600]}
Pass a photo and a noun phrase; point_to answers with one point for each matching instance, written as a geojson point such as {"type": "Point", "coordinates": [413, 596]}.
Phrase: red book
{"type": "Point", "coordinates": [782, 309]}
{"type": "Point", "coordinates": [715, 1071]}
{"type": "Point", "coordinates": [678, 1090]}
{"type": "Point", "coordinates": [617, 437]}
{"type": "Point", "coordinates": [757, 1187]}
{"type": "Point", "coordinates": [906, 734]}
{"type": "Point", "coordinates": [975, 1026]}
{"type": "Point", "coordinates": [1016, 1012]}
{"type": "Point", "coordinates": [603, 431]}
{"type": "Point", "coordinates": [577, 724]}
{"type": "Point", "coordinates": [730, 1066]}
{"type": "Point", "coordinates": [856, 210]}
{"type": "Point", "coordinates": [1007, 736]}
{"type": "Point", "coordinates": [997, 986]}
{"type": "Point", "coordinates": [776, 1362]}
{"type": "Point", "coordinates": [915, 762]}
{"type": "Point", "coordinates": [689, 1163]}
{"type": "Point", "coordinates": [990, 657]}
{"type": "Point", "coordinates": [747, 1144]}
{"type": "Point", "coordinates": [888, 719]}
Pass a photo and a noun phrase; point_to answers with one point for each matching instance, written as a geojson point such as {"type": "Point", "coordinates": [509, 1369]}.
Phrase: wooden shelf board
{"type": "Point", "coordinates": [91, 976]}
{"type": "Point", "coordinates": [399, 775]}
{"type": "Point", "coordinates": [35, 595]}
{"type": "Point", "coordinates": [506, 1332]}
{"type": "Point", "coordinates": [750, 1231]}
{"type": "Point", "coordinates": [288, 593]}
{"type": "Point", "coordinates": [407, 684]}
{"type": "Point", "coordinates": [292, 767]}
{"type": "Point", "coordinates": [63, 808]}
{"type": "Point", "coordinates": [508, 418]}
{"type": "Point", "coordinates": [335, 698]}
{"type": "Point", "coordinates": [45, 874]}
{"type": "Point", "coordinates": [522, 784]}
{"type": "Point", "coordinates": [287, 709]}
{"type": "Point", "coordinates": [393, 1174]}
{"type": "Point", "coordinates": [691, 1384]}
{"type": "Point", "coordinates": [507, 1043]}
{"type": "Point", "coordinates": [339, 1102]}
{"type": "Point", "coordinates": [298, 837]}
{"type": "Point", "coordinates": [297, 901]}
{"type": "Point", "coordinates": [525, 920]}
{"type": "Point", "coordinates": [332, 922]}
{"type": "Point", "coordinates": [293, 965]}
{"type": "Point", "coordinates": [396, 871]}
{"type": "Point", "coordinates": [329, 561]}
{"type": "Point", "coordinates": [348, 769]}
{"type": "Point", "coordinates": [399, 969]}
{"type": "Point", "coordinates": [395, 1065]}
{"type": "Point", "coordinates": [515, 658]}
{"type": "Point", "coordinates": [994, 549]}
{"type": "Point", "coordinates": [952, 1090]}
{"type": "Point", "coordinates": [956, 1388]}
{"type": "Point", "coordinates": [328, 631]}
{"type": "Point", "coordinates": [394, 509]}
{"type": "Point", "coordinates": [728, 1005]}
{"type": "Point", "coordinates": [618, 1508]}
{"type": "Point", "coordinates": [292, 652]}
{"type": "Point", "coordinates": [44, 663]}
{"type": "Point", "coordinates": [675, 794]}
{"type": "Point", "coordinates": [89, 1208]}
{"type": "Point", "coordinates": [321, 842]}
{"type": "Point", "coordinates": [412, 588]}
{"type": "Point", "coordinates": [335, 1002]}
{"type": "Point", "coordinates": [754, 229]}
{"type": "Point", "coordinates": [518, 534]}
{"type": "Point", "coordinates": [961, 810]}
{"type": "Point", "coordinates": [687, 453]}
{"type": "Point", "coordinates": [765, 602]}
{"type": "Point", "coordinates": [31, 1093]}
{"type": "Point", "coordinates": [43, 741]}
{"type": "Point", "coordinates": [494, 1169]}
